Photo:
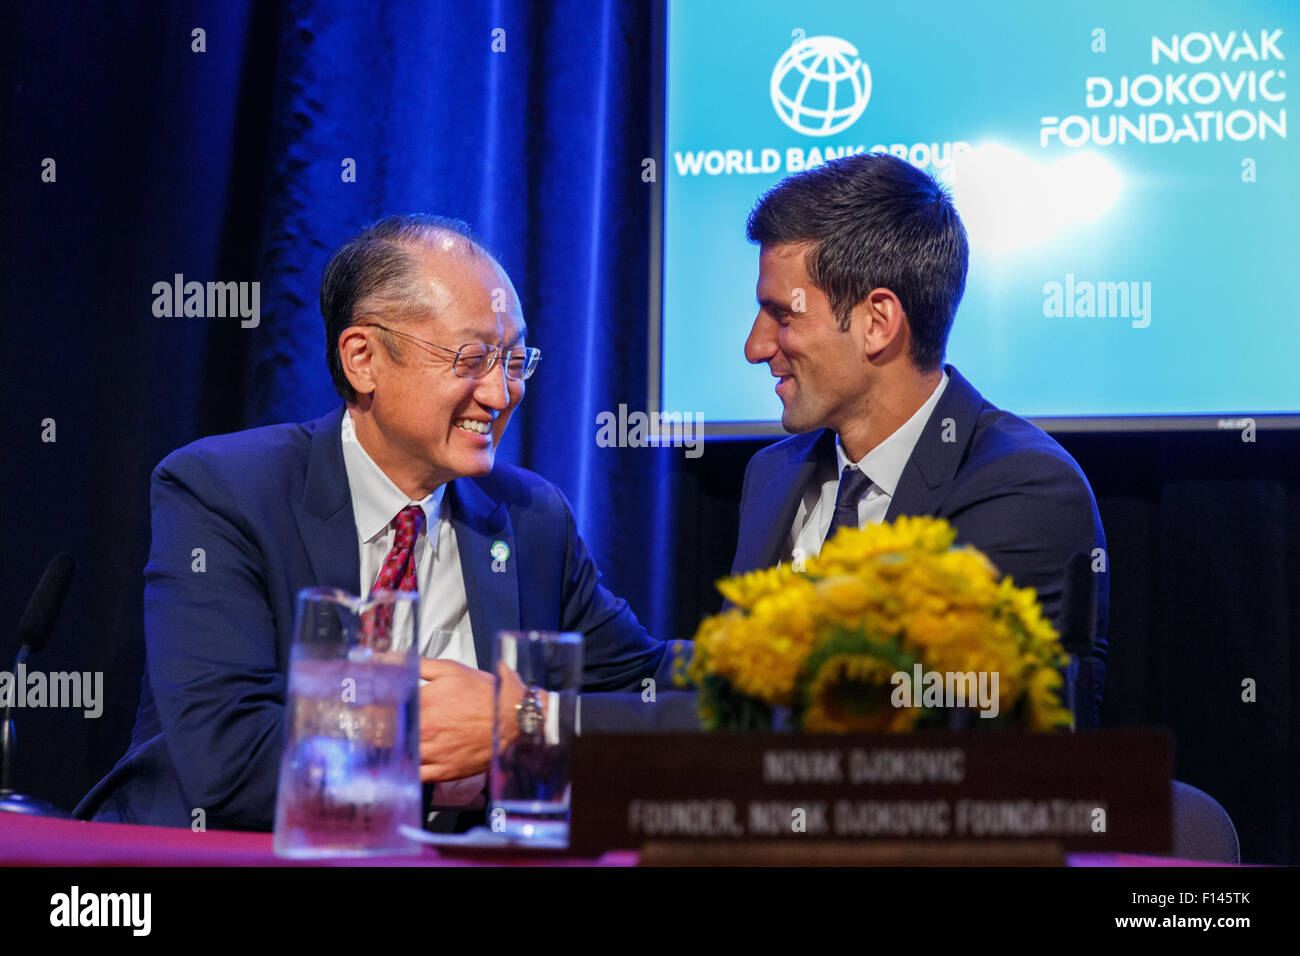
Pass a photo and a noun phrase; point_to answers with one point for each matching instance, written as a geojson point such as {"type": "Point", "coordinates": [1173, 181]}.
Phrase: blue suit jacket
{"type": "Point", "coordinates": [1004, 484]}
{"type": "Point", "coordinates": [272, 511]}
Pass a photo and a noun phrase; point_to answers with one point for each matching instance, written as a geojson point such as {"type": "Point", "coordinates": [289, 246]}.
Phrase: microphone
{"type": "Point", "coordinates": [37, 622]}
{"type": "Point", "coordinates": [33, 633]}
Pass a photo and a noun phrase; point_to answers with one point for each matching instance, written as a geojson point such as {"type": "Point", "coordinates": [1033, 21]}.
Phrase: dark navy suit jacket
{"type": "Point", "coordinates": [1004, 484]}
{"type": "Point", "coordinates": [272, 511]}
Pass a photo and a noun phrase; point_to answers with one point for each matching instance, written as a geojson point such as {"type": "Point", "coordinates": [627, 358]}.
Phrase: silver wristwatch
{"type": "Point", "coordinates": [529, 712]}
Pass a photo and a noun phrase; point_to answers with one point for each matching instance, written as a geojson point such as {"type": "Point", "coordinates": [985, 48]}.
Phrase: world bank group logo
{"type": "Point", "coordinates": [820, 86]}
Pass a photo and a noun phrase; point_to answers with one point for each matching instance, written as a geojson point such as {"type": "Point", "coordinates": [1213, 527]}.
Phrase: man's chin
{"type": "Point", "coordinates": [795, 423]}
{"type": "Point", "coordinates": [480, 466]}
{"type": "Point", "coordinates": [469, 466]}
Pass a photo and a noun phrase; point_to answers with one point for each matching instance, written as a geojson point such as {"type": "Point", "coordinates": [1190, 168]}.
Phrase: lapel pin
{"type": "Point", "coordinates": [500, 551]}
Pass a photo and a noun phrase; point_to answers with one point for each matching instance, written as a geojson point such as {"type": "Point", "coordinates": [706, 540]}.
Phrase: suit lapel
{"type": "Point", "coordinates": [939, 451]}
{"type": "Point", "coordinates": [762, 542]}
{"type": "Point", "coordinates": [491, 587]}
{"type": "Point", "coordinates": [329, 534]}
{"type": "Point", "coordinates": [324, 515]}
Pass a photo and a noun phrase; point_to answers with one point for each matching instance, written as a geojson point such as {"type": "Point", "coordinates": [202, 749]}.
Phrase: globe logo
{"type": "Point", "coordinates": [820, 86]}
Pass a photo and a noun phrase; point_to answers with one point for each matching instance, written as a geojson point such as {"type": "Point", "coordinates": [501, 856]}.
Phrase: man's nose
{"type": "Point", "coordinates": [761, 344]}
{"type": "Point", "coordinates": [493, 389]}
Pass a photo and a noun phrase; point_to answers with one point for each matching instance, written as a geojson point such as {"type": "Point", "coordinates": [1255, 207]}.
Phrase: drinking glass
{"type": "Point", "coordinates": [350, 775]}
{"type": "Point", "coordinates": [532, 740]}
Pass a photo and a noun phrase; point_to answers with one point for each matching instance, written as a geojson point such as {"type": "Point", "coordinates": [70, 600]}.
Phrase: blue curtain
{"type": "Point", "coordinates": [528, 120]}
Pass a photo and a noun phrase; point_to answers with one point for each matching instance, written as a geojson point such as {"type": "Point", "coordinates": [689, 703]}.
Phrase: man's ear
{"type": "Point", "coordinates": [881, 321]}
{"type": "Point", "coordinates": [357, 357]}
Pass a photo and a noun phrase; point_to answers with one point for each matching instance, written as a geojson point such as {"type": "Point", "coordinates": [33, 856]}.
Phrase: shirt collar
{"type": "Point", "coordinates": [375, 499]}
{"type": "Point", "coordinates": [884, 464]}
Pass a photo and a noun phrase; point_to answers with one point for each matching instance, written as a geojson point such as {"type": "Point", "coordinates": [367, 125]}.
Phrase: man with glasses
{"type": "Point", "coordinates": [426, 344]}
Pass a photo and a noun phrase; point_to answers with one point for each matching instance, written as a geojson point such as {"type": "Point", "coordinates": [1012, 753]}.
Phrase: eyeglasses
{"type": "Point", "coordinates": [477, 359]}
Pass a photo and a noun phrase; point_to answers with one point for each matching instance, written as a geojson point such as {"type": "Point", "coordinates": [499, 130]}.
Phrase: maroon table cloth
{"type": "Point", "coordinates": [38, 841]}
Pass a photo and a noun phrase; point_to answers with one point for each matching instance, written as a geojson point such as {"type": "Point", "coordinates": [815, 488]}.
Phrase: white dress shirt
{"type": "Point", "coordinates": [884, 465]}
{"type": "Point", "coordinates": [444, 628]}
{"type": "Point", "coordinates": [443, 625]}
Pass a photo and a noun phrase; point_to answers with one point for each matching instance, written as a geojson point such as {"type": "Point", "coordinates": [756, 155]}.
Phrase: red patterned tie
{"type": "Point", "coordinates": [397, 574]}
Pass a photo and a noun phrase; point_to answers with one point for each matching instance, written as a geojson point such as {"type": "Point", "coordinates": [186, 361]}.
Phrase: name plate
{"type": "Point", "coordinates": [1101, 791]}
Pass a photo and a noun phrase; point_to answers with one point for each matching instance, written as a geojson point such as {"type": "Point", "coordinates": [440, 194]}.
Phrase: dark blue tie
{"type": "Point", "coordinates": [853, 485]}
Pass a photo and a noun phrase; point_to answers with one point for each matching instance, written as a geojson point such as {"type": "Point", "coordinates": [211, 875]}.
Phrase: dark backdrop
{"type": "Point", "coordinates": [227, 165]}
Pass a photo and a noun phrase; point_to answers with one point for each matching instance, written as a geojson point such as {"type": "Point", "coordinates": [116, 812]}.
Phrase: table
{"type": "Point", "coordinates": [41, 841]}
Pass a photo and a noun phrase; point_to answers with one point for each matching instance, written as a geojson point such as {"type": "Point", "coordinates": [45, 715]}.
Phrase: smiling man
{"type": "Point", "coordinates": [862, 263]}
{"type": "Point", "coordinates": [426, 343]}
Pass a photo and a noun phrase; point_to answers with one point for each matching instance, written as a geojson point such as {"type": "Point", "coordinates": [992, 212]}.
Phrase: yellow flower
{"type": "Point", "coordinates": [851, 546]}
{"type": "Point", "coordinates": [759, 653]}
{"type": "Point", "coordinates": [1045, 712]}
{"type": "Point", "coordinates": [901, 585]}
{"type": "Point", "coordinates": [745, 589]}
{"type": "Point", "coordinates": [850, 693]}
{"type": "Point", "coordinates": [846, 597]}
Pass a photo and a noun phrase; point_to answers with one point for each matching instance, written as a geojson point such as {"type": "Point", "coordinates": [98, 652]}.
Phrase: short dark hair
{"type": "Point", "coordinates": [377, 264]}
{"type": "Point", "coordinates": [874, 221]}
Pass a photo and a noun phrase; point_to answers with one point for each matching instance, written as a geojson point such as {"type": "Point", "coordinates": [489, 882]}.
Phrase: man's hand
{"type": "Point", "coordinates": [456, 718]}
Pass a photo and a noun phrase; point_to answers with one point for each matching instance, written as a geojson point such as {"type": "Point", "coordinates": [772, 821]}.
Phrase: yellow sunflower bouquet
{"type": "Point", "coordinates": [889, 629]}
